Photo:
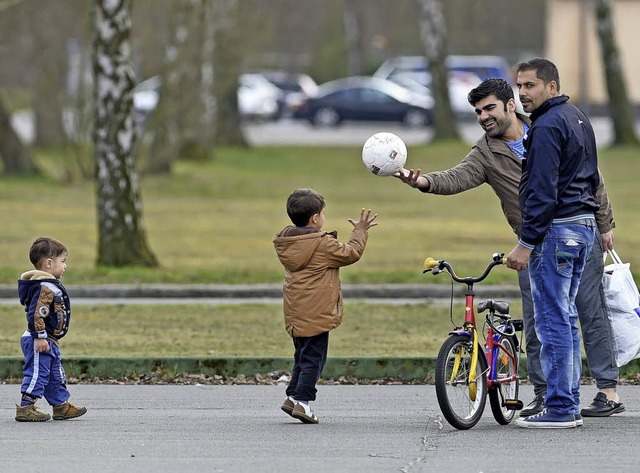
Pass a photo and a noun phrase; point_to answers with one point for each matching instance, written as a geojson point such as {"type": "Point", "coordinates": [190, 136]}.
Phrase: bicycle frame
{"type": "Point", "coordinates": [492, 344]}
{"type": "Point", "coordinates": [492, 347]}
{"type": "Point", "coordinates": [469, 328]}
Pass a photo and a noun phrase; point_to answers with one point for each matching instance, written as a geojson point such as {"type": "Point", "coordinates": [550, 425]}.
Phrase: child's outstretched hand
{"type": "Point", "coordinates": [366, 220]}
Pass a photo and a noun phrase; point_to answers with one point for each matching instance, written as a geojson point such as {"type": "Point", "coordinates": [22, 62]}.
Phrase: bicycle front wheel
{"type": "Point", "coordinates": [461, 395]}
{"type": "Point", "coordinates": [504, 367]}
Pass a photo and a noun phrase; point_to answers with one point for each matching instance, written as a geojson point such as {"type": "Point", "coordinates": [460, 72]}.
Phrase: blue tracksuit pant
{"type": "Point", "coordinates": [43, 373]}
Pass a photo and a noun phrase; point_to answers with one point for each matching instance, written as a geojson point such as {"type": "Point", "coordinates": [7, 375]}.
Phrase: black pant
{"type": "Point", "coordinates": [308, 362]}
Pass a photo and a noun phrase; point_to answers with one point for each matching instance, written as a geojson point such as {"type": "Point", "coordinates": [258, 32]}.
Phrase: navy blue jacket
{"type": "Point", "coordinates": [46, 304]}
{"type": "Point", "coordinates": [560, 168]}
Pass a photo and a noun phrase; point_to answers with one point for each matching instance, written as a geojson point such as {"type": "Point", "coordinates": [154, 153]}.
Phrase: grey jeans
{"type": "Point", "coordinates": [593, 313]}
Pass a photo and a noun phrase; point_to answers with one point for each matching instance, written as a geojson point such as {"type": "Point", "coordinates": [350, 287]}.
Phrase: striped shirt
{"type": "Point", "coordinates": [518, 145]}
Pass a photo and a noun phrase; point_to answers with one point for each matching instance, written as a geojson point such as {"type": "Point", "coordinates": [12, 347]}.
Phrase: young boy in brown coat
{"type": "Point", "coordinates": [312, 293]}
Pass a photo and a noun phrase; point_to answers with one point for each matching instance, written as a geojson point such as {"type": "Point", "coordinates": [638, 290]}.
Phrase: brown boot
{"type": "Point", "coordinates": [67, 411]}
{"type": "Point", "coordinates": [30, 413]}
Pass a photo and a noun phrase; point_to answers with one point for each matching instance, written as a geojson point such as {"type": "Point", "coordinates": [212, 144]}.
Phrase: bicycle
{"type": "Point", "coordinates": [465, 373]}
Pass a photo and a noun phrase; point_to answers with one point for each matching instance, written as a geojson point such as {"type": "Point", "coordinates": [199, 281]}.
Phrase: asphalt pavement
{"type": "Point", "coordinates": [231, 428]}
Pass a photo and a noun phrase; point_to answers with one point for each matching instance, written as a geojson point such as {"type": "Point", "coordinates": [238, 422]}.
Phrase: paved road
{"type": "Point", "coordinates": [241, 429]}
{"type": "Point", "coordinates": [290, 132]}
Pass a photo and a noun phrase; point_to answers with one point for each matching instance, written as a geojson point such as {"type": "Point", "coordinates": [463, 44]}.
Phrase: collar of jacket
{"type": "Point", "coordinates": [546, 106]}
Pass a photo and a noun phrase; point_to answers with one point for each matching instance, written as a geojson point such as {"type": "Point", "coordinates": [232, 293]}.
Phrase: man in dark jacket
{"type": "Point", "coordinates": [558, 203]}
{"type": "Point", "coordinates": [495, 159]}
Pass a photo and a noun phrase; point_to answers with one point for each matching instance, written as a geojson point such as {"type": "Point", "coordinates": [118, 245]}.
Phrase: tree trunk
{"type": "Point", "coordinates": [15, 156]}
{"type": "Point", "coordinates": [621, 110]}
{"type": "Point", "coordinates": [352, 36]}
{"type": "Point", "coordinates": [183, 125]}
{"type": "Point", "coordinates": [121, 237]}
{"type": "Point", "coordinates": [433, 30]}
{"type": "Point", "coordinates": [166, 123]}
{"type": "Point", "coordinates": [50, 61]}
{"type": "Point", "coordinates": [230, 41]}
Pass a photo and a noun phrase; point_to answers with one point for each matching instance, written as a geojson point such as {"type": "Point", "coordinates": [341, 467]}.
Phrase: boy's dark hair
{"type": "Point", "coordinates": [43, 248]}
{"type": "Point", "coordinates": [498, 87]}
{"type": "Point", "coordinates": [303, 204]}
{"type": "Point", "coordinates": [545, 70]}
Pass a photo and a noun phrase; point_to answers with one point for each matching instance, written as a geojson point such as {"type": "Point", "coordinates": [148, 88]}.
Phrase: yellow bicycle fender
{"type": "Point", "coordinates": [473, 384]}
{"type": "Point", "coordinates": [456, 365]}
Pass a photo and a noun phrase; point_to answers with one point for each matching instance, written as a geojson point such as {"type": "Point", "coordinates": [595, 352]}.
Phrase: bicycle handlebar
{"type": "Point", "coordinates": [437, 267]}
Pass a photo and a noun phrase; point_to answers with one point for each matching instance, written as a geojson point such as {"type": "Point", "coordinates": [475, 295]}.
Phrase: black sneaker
{"type": "Point", "coordinates": [602, 407]}
{"type": "Point", "coordinates": [534, 407]}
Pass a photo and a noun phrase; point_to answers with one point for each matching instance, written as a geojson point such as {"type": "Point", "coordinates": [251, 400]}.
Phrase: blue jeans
{"type": "Point", "coordinates": [595, 326]}
{"type": "Point", "coordinates": [555, 269]}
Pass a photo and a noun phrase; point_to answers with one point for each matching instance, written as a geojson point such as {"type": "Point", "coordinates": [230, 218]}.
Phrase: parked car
{"type": "Point", "coordinates": [485, 67]}
{"type": "Point", "coordinates": [460, 83]}
{"type": "Point", "coordinates": [366, 99]}
{"type": "Point", "coordinates": [145, 99]}
{"type": "Point", "coordinates": [295, 89]}
{"type": "Point", "coordinates": [257, 97]}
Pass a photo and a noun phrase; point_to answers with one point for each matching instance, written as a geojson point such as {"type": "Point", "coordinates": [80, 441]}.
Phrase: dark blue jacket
{"type": "Point", "coordinates": [560, 168]}
{"type": "Point", "coordinates": [46, 304]}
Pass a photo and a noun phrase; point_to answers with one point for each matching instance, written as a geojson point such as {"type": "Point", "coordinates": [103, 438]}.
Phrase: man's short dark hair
{"type": "Point", "coordinates": [303, 204]}
{"type": "Point", "coordinates": [545, 70]}
{"type": "Point", "coordinates": [498, 87]}
{"type": "Point", "coordinates": [43, 248]}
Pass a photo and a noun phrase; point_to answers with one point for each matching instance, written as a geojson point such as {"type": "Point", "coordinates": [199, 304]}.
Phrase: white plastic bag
{"type": "Point", "coordinates": [623, 300]}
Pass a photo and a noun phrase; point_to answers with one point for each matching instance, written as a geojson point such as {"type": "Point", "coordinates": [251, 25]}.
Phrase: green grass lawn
{"type": "Point", "coordinates": [234, 330]}
{"type": "Point", "coordinates": [213, 222]}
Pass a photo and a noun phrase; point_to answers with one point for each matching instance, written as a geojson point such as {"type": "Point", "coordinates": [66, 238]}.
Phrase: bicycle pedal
{"type": "Point", "coordinates": [513, 404]}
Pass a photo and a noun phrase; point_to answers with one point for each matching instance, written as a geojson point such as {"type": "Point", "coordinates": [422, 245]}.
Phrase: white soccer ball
{"type": "Point", "coordinates": [384, 154]}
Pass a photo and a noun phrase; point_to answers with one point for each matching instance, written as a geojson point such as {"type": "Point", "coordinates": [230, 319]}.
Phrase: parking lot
{"type": "Point", "coordinates": [382, 428]}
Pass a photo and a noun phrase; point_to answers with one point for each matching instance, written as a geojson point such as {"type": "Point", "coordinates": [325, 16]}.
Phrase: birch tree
{"type": "Point", "coordinates": [121, 237]}
{"type": "Point", "coordinates": [621, 110]}
{"type": "Point", "coordinates": [433, 31]}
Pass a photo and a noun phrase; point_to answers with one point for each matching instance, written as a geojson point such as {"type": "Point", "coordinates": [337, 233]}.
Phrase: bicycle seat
{"type": "Point", "coordinates": [501, 307]}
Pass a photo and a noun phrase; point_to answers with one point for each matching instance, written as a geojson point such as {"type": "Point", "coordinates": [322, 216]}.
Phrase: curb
{"type": "Point", "coordinates": [409, 369]}
{"type": "Point", "coordinates": [377, 291]}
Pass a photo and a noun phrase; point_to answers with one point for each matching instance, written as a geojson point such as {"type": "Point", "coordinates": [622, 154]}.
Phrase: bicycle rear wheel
{"type": "Point", "coordinates": [461, 404]}
{"type": "Point", "coordinates": [505, 366]}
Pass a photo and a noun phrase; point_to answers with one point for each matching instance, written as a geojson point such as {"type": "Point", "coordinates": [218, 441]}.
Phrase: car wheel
{"type": "Point", "coordinates": [416, 118]}
{"type": "Point", "coordinates": [326, 116]}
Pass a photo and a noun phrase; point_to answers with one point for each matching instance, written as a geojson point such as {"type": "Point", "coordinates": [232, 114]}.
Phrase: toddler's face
{"type": "Point", "coordinates": [56, 266]}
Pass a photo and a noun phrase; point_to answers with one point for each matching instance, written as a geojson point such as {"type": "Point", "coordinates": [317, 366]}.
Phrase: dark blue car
{"type": "Point", "coordinates": [366, 99]}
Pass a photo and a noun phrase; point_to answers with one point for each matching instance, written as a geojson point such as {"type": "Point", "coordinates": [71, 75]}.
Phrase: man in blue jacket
{"type": "Point", "coordinates": [557, 201]}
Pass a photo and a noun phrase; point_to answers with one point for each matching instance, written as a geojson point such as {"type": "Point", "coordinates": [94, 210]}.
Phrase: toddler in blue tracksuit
{"type": "Point", "coordinates": [48, 310]}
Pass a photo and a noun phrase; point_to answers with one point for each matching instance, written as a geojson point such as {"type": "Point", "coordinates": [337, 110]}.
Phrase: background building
{"type": "Point", "coordinates": [571, 41]}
